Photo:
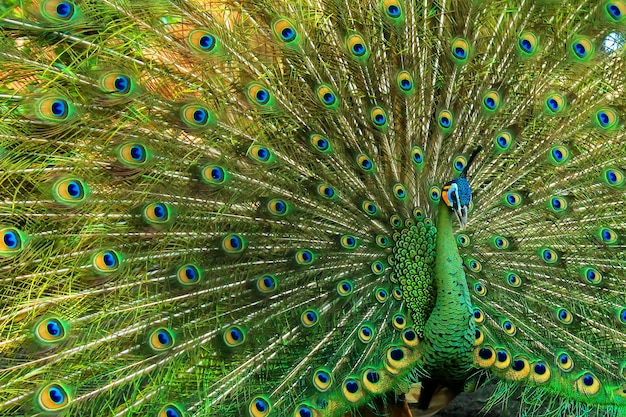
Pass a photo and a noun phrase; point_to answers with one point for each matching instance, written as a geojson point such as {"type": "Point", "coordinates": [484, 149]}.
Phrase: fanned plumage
{"type": "Point", "coordinates": [225, 208]}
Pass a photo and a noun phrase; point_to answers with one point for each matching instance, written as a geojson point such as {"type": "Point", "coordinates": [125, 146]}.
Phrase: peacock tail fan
{"type": "Point", "coordinates": [249, 208]}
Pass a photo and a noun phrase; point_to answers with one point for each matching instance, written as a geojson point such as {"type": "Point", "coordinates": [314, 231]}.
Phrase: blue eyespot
{"type": "Point", "coordinates": [329, 98]}
{"type": "Point", "coordinates": [540, 368]}
{"type": "Point", "coordinates": [65, 10]}
{"type": "Point", "coordinates": [59, 108]}
{"type": "Point", "coordinates": [137, 153]}
{"type": "Point", "coordinates": [122, 84]}
{"type": "Point", "coordinates": [206, 42]}
{"type": "Point", "coordinates": [200, 116]}
{"type": "Point", "coordinates": [526, 45]}
{"type": "Point", "coordinates": [358, 49]}
{"type": "Point", "coordinates": [485, 353]}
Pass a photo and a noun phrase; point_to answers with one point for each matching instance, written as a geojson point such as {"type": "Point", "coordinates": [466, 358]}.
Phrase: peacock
{"type": "Point", "coordinates": [305, 207]}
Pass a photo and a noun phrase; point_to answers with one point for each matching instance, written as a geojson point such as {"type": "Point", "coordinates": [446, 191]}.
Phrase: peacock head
{"type": "Point", "coordinates": [457, 193]}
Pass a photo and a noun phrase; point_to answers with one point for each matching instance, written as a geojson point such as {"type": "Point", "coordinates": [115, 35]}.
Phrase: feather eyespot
{"type": "Point", "coordinates": [260, 154]}
{"type": "Point", "coordinates": [234, 336]}
{"type": "Point", "coordinates": [479, 337]}
{"type": "Point", "coordinates": [399, 321]}
{"type": "Point", "coordinates": [396, 359]}
{"type": "Point", "coordinates": [116, 83]}
{"type": "Point", "coordinates": [513, 199]}
{"type": "Point", "coordinates": [50, 330]}
{"type": "Point", "coordinates": [501, 242]}
{"type": "Point", "coordinates": [540, 373]}
{"type": "Point", "coordinates": [613, 177]}
{"type": "Point", "coordinates": [459, 163]}
{"type": "Point", "coordinates": [554, 103]}
{"type": "Point", "coordinates": [133, 154]}
{"type": "Point", "coordinates": [188, 274]}
{"type": "Point", "coordinates": [382, 241]}
{"type": "Point", "coordinates": [106, 261]}
{"type": "Point", "coordinates": [509, 328]}
{"type": "Point", "coordinates": [592, 276]}
{"type": "Point", "coordinates": [304, 257]}
{"type": "Point", "coordinates": [369, 207]}
{"type": "Point", "coordinates": [214, 175]}
{"type": "Point", "coordinates": [170, 410]}
{"type": "Point", "coordinates": [484, 356]}
{"type": "Point", "coordinates": [345, 288]}
{"type": "Point", "coordinates": [379, 118]}
{"type": "Point", "coordinates": [327, 96]}
{"type": "Point", "coordinates": [434, 193]}
{"type": "Point", "coordinates": [393, 10]}
{"type": "Point", "coordinates": [157, 214]}
{"type": "Point", "coordinates": [352, 390]}
{"type": "Point", "coordinates": [53, 397]}
{"type": "Point", "coordinates": [202, 41]}
{"type": "Point", "coordinates": [409, 337]}
{"type": "Point", "coordinates": [260, 95]}
{"type": "Point", "coordinates": [503, 359]}
{"type": "Point", "coordinates": [395, 221]}
{"type": "Point", "coordinates": [463, 240]}
{"type": "Point", "coordinates": [366, 333]}
{"type": "Point", "coordinates": [365, 163]}
{"type": "Point", "coordinates": [606, 118]}
{"type": "Point", "coordinates": [399, 190]}
{"type": "Point", "coordinates": [503, 141]}
{"type": "Point", "coordinates": [513, 279]}
{"type": "Point", "coordinates": [480, 289]}
{"type": "Point", "coordinates": [397, 293]}
{"type": "Point", "coordinates": [460, 50]}
{"type": "Point", "coordinates": [69, 191]}
{"type": "Point", "coordinates": [13, 241]}
{"type": "Point", "coordinates": [473, 265]}
{"type": "Point", "coordinates": [378, 267]}
{"type": "Point", "coordinates": [417, 156]}
{"type": "Point", "coordinates": [479, 317]}
{"type": "Point", "coordinates": [445, 120]}
{"type": "Point", "coordinates": [527, 43]}
{"type": "Point", "coordinates": [54, 109]}
{"type": "Point", "coordinates": [348, 242]}
{"type": "Point", "coordinates": [322, 379]}
{"type": "Point", "coordinates": [357, 47]}
{"type": "Point", "coordinates": [405, 82]}
{"type": "Point", "coordinates": [582, 48]}
{"type": "Point", "coordinates": [320, 143]}
{"type": "Point", "coordinates": [233, 243]}
{"type": "Point", "coordinates": [622, 316]}
{"type": "Point", "coordinates": [559, 154]}
{"type": "Point", "coordinates": [558, 204]}
{"type": "Point", "coordinates": [267, 284]}
{"type": "Point", "coordinates": [608, 236]}
{"type": "Point", "coordinates": [196, 116]}
{"type": "Point", "coordinates": [277, 207]}
{"type": "Point", "coordinates": [588, 384]}
{"type": "Point", "coordinates": [549, 256]}
{"type": "Point", "coordinates": [491, 101]}
{"type": "Point", "coordinates": [309, 318]}
{"type": "Point", "coordinates": [58, 10]}
{"type": "Point", "coordinates": [616, 10]}
{"type": "Point", "coordinates": [285, 31]}
{"type": "Point", "coordinates": [304, 411]}
{"type": "Point", "coordinates": [564, 362]}
{"type": "Point", "coordinates": [326, 191]}
{"type": "Point", "coordinates": [564, 316]}
{"type": "Point", "coordinates": [381, 294]}
{"type": "Point", "coordinates": [161, 339]}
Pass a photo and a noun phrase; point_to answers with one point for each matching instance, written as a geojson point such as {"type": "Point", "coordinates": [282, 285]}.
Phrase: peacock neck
{"type": "Point", "coordinates": [450, 329]}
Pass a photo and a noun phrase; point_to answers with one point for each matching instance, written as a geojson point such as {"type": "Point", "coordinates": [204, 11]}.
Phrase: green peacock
{"type": "Point", "coordinates": [299, 208]}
